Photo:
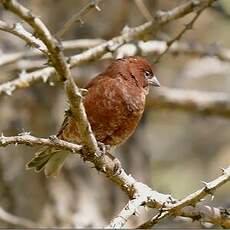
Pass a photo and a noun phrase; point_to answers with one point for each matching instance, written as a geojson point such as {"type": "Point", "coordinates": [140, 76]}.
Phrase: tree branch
{"type": "Point", "coordinates": [60, 64]}
{"type": "Point", "coordinates": [204, 213]}
{"type": "Point", "coordinates": [190, 200]}
{"type": "Point", "coordinates": [18, 30]}
{"type": "Point", "coordinates": [111, 45]}
{"type": "Point", "coordinates": [139, 193]}
{"type": "Point", "coordinates": [78, 17]}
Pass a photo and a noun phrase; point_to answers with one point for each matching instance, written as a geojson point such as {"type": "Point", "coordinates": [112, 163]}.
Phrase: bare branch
{"type": "Point", "coordinates": [18, 30]}
{"type": "Point", "coordinates": [187, 27]}
{"type": "Point", "coordinates": [111, 45]}
{"type": "Point", "coordinates": [190, 200]}
{"type": "Point", "coordinates": [144, 10]}
{"type": "Point", "coordinates": [139, 193]}
{"type": "Point", "coordinates": [78, 17]}
{"type": "Point", "coordinates": [10, 58]}
{"type": "Point", "coordinates": [27, 139]}
{"type": "Point", "coordinates": [204, 213]}
{"type": "Point", "coordinates": [63, 69]}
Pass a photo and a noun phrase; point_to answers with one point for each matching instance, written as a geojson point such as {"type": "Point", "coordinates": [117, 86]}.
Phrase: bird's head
{"type": "Point", "coordinates": [138, 71]}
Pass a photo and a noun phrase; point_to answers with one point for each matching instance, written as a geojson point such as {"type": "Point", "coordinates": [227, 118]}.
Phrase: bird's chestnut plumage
{"type": "Point", "coordinates": [114, 105]}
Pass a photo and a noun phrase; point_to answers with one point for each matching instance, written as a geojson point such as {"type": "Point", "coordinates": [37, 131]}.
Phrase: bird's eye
{"type": "Point", "coordinates": [147, 75]}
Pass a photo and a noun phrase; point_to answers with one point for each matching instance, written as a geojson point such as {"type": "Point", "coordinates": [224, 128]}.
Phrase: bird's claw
{"type": "Point", "coordinates": [117, 166]}
{"type": "Point", "coordinates": [103, 148]}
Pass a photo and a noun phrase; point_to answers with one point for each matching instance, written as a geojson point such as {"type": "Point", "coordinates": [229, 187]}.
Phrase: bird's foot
{"type": "Point", "coordinates": [103, 148]}
{"type": "Point", "coordinates": [117, 166]}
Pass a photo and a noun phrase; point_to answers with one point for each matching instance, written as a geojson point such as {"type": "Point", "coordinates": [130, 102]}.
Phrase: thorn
{"type": "Point", "coordinates": [23, 75]}
{"type": "Point", "coordinates": [205, 184]}
{"type": "Point", "coordinates": [189, 26]}
{"type": "Point", "coordinates": [223, 171]}
{"type": "Point", "coordinates": [2, 139]}
{"type": "Point", "coordinates": [24, 133]}
{"type": "Point", "coordinates": [94, 3]}
{"type": "Point", "coordinates": [136, 213]}
{"type": "Point", "coordinates": [81, 21]}
{"type": "Point", "coordinates": [104, 169]}
{"type": "Point", "coordinates": [53, 138]}
{"type": "Point", "coordinates": [125, 185]}
{"type": "Point", "coordinates": [83, 92]}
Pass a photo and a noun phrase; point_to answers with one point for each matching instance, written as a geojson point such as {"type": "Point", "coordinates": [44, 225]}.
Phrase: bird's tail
{"type": "Point", "coordinates": [48, 158]}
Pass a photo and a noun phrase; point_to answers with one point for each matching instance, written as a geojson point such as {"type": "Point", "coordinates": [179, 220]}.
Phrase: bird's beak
{"type": "Point", "coordinates": [154, 82]}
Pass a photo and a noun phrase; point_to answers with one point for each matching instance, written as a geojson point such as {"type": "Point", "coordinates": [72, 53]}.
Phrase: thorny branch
{"type": "Point", "coordinates": [139, 193]}
{"type": "Point", "coordinates": [190, 200]}
{"type": "Point", "coordinates": [187, 27]}
{"type": "Point", "coordinates": [60, 64]}
{"type": "Point", "coordinates": [109, 46]}
{"type": "Point", "coordinates": [18, 30]}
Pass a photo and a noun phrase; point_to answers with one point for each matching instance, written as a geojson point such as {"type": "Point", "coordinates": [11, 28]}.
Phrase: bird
{"type": "Point", "coordinates": [114, 104]}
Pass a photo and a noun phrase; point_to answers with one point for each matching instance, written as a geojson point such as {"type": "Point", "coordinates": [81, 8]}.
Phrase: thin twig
{"type": "Point", "coordinates": [18, 30]}
{"type": "Point", "coordinates": [152, 47]}
{"type": "Point", "coordinates": [191, 199]}
{"type": "Point", "coordinates": [138, 192]}
{"type": "Point", "coordinates": [78, 17]}
{"type": "Point", "coordinates": [144, 10]}
{"type": "Point", "coordinates": [111, 45]}
{"type": "Point", "coordinates": [58, 60]}
{"type": "Point", "coordinates": [188, 26]}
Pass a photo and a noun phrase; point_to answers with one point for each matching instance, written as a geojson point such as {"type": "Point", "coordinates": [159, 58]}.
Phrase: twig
{"type": "Point", "coordinates": [15, 220]}
{"type": "Point", "coordinates": [138, 192]}
{"type": "Point", "coordinates": [192, 199]}
{"type": "Point", "coordinates": [111, 45]}
{"type": "Point", "coordinates": [204, 213]}
{"type": "Point", "coordinates": [130, 209]}
{"type": "Point", "coordinates": [187, 27]}
{"type": "Point", "coordinates": [144, 10]}
{"type": "Point", "coordinates": [78, 17]}
{"type": "Point", "coordinates": [59, 62]}
{"type": "Point", "coordinates": [29, 140]}
{"type": "Point", "coordinates": [104, 164]}
{"type": "Point", "coordinates": [138, 48]}
{"type": "Point", "coordinates": [10, 58]}
{"type": "Point", "coordinates": [18, 30]}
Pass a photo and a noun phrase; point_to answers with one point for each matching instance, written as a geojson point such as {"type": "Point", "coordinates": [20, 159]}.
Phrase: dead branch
{"type": "Point", "coordinates": [139, 193]}
{"type": "Point", "coordinates": [191, 199]}
{"type": "Point", "coordinates": [111, 45]}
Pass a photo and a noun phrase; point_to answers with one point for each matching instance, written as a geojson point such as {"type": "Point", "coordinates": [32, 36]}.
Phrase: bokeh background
{"type": "Point", "coordinates": [171, 151]}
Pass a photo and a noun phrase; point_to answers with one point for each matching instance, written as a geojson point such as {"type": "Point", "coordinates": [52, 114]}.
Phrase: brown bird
{"type": "Point", "coordinates": [114, 104]}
